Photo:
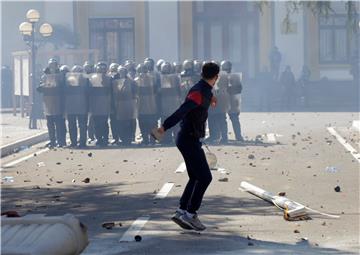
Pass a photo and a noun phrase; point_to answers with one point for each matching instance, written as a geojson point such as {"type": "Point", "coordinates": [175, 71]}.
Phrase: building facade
{"type": "Point", "coordinates": [208, 30]}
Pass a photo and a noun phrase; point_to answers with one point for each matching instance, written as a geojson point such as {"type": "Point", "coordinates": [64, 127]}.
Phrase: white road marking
{"type": "Point", "coordinates": [271, 138]}
{"type": "Point", "coordinates": [356, 124]}
{"type": "Point", "coordinates": [347, 146]}
{"type": "Point", "coordinates": [17, 161]}
{"type": "Point", "coordinates": [164, 190]}
{"type": "Point", "coordinates": [181, 168]}
{"type": "Point", "coordinates": [134, 229]}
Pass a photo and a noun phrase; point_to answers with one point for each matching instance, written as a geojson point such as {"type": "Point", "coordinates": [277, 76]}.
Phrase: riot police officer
{"type": "Point", "coordinates": [113, 67]}
{"type": "Point", "coordinates": [52, 88]}
{"type": "Point", "coordinates": [147, 103]}
{"type": "Point", "coordinates": [177, 67]}
{"type": "Point", "coordinates": [158, 65]}
{"type": "Point", "coordinates": [113, 122]}
{"type": "Point", "coordinates": [125, 95]}
{"type": "Point", "coordinates": [235, 89]}
{"type": "Point", "coordinates": [188, 78]}
{"type": "Point", "coordinates": [89, 69]}
{"type": "Point", "coordinates": [197, 69]}
{"type": "Point", "coordinates": [155, 75]}
{"type": "Point", "coordinates": [130, 67]}
{"type": "Point", "coordinates": [100, 102]}
{"type": "Point", "coordinates": [76, 105]}
{"type": "Point", "coordinates": [217, 116]}
{"type": "Point", "coordinates": [169, 98]}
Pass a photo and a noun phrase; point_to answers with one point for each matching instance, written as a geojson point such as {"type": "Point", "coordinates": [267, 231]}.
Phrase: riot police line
{"type": "Point", "coordinates": [89, 96]}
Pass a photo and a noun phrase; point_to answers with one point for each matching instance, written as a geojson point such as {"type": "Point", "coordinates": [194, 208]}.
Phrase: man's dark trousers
{"type": "Point", "coordinates": [198, 171]}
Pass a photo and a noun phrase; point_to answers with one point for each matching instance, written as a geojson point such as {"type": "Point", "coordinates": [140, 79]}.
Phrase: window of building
{"type": "Point", "coordinates": [227, 30]}
{"type": "Point", "coordinates": [336, 43]}
{"type": "Point", "coordinates": [113, 37]}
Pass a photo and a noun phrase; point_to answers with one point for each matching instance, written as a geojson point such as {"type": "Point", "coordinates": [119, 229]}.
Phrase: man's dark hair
{"type": "Point", "coordinates": [210, 70]}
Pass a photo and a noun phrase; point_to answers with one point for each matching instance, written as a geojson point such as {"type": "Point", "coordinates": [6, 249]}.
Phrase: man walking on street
{"type": "Point", "coordinates": [193, 114]}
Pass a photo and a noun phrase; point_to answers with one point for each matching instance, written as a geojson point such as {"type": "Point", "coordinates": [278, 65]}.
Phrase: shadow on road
{"type": "Point", "coordinates": [94, 204]}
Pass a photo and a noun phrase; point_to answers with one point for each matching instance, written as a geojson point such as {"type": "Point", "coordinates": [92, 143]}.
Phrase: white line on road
{"type": "Point", "coordinates": [134, 230]}
{"type": "Point", "coordinates": [347, 146]}
{"type": "Point", "coordinates": [164, 190]}
{"type": "Point", "coordinates": [356, 125]}
{"type": "Point", "coordinates": [181, 168]}
{"type": "Point", "coordinates": [17, 161]}
{"type": "Point", "coordinates": [271, 138]}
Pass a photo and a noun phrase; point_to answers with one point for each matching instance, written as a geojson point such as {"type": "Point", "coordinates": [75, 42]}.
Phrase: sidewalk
{"type": "Point", "coordinates": [15, 133]}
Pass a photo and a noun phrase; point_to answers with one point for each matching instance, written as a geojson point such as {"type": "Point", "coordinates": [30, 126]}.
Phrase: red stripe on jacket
{"type": "Point", "coordinates": [195, 96]}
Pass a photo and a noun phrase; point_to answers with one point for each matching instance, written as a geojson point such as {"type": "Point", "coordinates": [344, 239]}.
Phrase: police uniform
{"type": "Point", "coordinates": [125, 94]}
{"type": "Point", "coordinates": [52, 88]}
{"type": "Point", "coordinates": [100, 105]}
{"type": "Point", "coordinates": [76, 106]}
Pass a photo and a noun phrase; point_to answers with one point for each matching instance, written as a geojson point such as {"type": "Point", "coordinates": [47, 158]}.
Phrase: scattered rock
{"type": "Point", "coordinates": [73, 180]}
{"type": "Point", "coordinates": [250, 244]}
{"type": "Point", "coordinates": [35, 154]}
{"type": "Point", "coordinates": [86, 180]}
{"type": "Point", "coordinates": [59, 182]}
{"type": "Point", "coordinates": [36, 187]}
{"type": "Point", "coordinates": [58, 163]}
{"type": "Point", "coordinates": [337, 189]}
{"type": "Point", "coordinates": [90, 154]}
{"type": "Point", "coordinates": [27, 181]}
{"type": "Point", "coordinates": [116, 172]}
{"type": "Point", "coordinates": [308, 166]}
{"type": "Point", "coordinates": [138, 238]}
{"type": "Point", "coordinates": [108, 225]}
{"type": "Point", "coordinates": [225, 179]}
{"type": "Point", "coordinates": [324, 223]}
{"type": "Point", "coordinates": [296, 231]}
{"type": "Point", "coordinates": [282, 194]}
{"type": "Point", "coordinates": [251, 156]}
{"type": "Point", "coordinates": [125, 160]}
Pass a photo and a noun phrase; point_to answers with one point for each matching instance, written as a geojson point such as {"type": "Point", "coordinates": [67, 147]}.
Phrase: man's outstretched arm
{"type": "Point", "coordinates": [193, 100]}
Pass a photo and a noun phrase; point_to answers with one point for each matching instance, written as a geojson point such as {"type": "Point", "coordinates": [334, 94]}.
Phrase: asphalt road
{"type": "Point", "coordinates": [125, 181]}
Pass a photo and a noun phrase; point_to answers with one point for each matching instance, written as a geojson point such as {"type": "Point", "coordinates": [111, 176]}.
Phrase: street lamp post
{"type": "Point", "coordinates": [28, 29]}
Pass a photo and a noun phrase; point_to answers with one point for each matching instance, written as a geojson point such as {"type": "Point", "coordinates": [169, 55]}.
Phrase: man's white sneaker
{"type": "Point", "coordinates": [177, 220]}
{"type": "Point", "coordinates": [192, 221]}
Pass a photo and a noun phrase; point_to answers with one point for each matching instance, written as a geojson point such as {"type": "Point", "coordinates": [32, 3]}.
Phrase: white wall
{"type": "Point", "coordinates": [163, 30]}
{"type": "Point", "coordinates": [290, 45]}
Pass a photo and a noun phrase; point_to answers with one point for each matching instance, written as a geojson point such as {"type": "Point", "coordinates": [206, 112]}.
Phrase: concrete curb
{"type": "Point", "coordinates": [9, 110]}
{"type": "Point", "coordinates": [10, 148]}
